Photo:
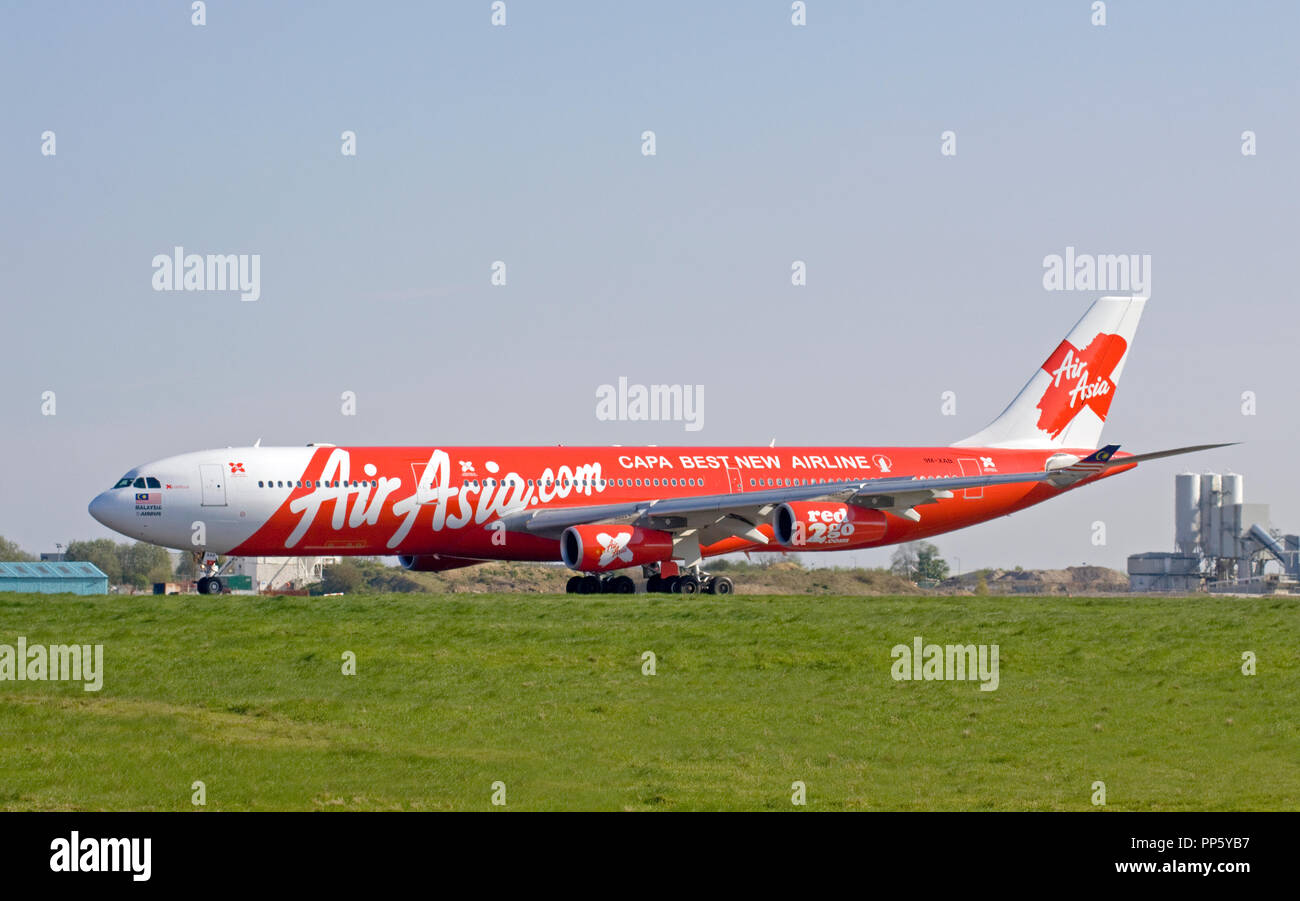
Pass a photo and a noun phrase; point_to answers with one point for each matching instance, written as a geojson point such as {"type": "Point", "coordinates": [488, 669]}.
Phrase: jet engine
{"type": "Point", "coordinates": [813, 525]}
{"type": "Point", "coordinates": [600, 548]}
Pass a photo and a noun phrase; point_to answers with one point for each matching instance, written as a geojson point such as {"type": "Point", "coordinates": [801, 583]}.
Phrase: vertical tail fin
{"type": "Point", "coordinates": [1066, 402]}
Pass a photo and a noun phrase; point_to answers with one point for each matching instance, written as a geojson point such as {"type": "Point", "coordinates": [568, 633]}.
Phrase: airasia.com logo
{"type": "Point", "coordinates": [1079, 378]}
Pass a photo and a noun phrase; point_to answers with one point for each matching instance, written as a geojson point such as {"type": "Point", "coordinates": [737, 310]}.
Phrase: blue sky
{"type": "Point", "coordinates": [774, 143]}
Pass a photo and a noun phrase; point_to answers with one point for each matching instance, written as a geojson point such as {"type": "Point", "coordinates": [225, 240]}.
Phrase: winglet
{"type": "Point", "coordinates": [1101, 455]}
{"type": "Point", "coordinates": [1090, 465]}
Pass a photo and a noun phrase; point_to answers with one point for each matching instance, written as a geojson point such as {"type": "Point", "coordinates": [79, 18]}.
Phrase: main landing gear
{"type": "Point", "coordinates": [690, 583]}
{"type": "Point", "coordinates": [600, 585]}
{"type": "Point", "coordinates": [693, 581]}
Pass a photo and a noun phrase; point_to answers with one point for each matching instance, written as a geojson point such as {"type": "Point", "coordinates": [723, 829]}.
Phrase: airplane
{"type": "Point", "coordinates": [603, 511]}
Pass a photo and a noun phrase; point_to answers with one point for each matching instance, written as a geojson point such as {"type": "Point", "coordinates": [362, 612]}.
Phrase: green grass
{"type": "Point", "coordinates": [546, 694]}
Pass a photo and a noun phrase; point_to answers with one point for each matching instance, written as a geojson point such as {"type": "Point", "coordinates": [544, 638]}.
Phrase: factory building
{"type": "Point", "coordinates": [1221, 543]}
{"type": "Point", "coordinates": [279, 573]}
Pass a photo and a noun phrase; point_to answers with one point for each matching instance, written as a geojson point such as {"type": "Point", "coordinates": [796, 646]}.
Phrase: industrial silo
{"type": "Point", "coordinates": [1231, 498]}
{"type": "Point", "coordinates": [1234, 490]}
{"type": "Point", "coordinates": [1211, 486]}
{"type": "Point", "coordinates": [1187, 514]}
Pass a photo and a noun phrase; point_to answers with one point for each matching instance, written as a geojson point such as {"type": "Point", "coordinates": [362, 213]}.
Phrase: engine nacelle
{"type": "Point", "coordinates": [814, 526]}
{"type": "Point", "coordinates": [432, 563]}
{"type": "Point", "coordinates": [600, 548]}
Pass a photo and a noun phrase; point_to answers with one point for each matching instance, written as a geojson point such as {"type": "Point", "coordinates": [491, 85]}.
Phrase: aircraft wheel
{"type": "Point", "coordinates": [591, 585]}
{"type": "Point", "coordinates": [688, 585]}
{"type": "Point", "coordinates": [673, 585]}
{"type": "Point", "coordinates": [654, 584]}
{"type": "Point", "coordinates": [214, 586]}
{"type": "Point", "coordinates": [574, 585]}
{"type": "Point", "coordinates": [623, 585]}
{"type": "Point", "coordinates": [203, 585]}
{"type": "Point", "coordinates": [722, 585]}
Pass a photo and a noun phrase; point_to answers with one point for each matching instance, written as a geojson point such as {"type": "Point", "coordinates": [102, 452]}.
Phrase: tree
{"type": "Point", "coordinates": [144, 564]}
{"type": "Point", "coordinates": [186, 570]}
{"type": "Point", "coordinates": [11, 552]}
{"type": "Point", "coordinates": [102, 552]}
{"type": "Point", "coordinates": [918, 560]}
{"type": "Point", "coordinates": [344, 576]}
{"type": "Point", "coordinates": [903, 563]}
{"type": "Point", "coordinates": [929, 565]}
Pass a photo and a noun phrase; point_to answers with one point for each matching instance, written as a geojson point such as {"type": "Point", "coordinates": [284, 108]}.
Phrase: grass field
{"type": "Point", "coordinates": [546, 694]}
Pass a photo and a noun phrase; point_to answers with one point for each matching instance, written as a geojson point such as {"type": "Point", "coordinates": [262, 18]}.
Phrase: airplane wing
{"type": "Point", "coordinates": [717, 516]}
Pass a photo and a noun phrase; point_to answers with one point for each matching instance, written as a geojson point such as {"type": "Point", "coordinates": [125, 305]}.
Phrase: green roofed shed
{"type": "Point", "coordinates": [73, 577]}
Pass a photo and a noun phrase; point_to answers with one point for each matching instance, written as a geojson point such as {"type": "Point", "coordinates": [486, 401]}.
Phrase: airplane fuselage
{"type": "Point", "coordinates": [322, 500]}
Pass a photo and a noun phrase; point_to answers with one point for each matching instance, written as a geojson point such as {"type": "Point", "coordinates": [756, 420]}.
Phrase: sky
{"type": "Point", "coordinates": [523, 143]}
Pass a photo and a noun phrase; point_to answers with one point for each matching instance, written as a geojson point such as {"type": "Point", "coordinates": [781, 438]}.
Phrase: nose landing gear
{"type": "Point", "coordinates": [210, 582]}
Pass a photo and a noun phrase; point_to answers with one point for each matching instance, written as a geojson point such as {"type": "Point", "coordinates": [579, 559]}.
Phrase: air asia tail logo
{"type": "Point", "coordinates": [1079, 378]}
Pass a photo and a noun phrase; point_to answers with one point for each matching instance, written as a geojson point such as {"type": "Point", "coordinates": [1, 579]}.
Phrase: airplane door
{"type": "Point", "coordinates": [214, 484]}
{"type": "Point", "coordinates": [733, 480]}
{"type": "Point", "coordinates": [971, 467]}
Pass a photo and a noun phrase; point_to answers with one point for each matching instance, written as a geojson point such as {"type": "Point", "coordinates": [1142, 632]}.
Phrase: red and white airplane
{"type": "Point", "coordinates": [602, 510]}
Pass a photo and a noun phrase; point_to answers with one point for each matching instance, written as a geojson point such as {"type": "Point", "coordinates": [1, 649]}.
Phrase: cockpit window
{"type": "Point", "coordinates": [123, 483]}
{"type": "Point", "coordinates": [139, 483]}
{"type": "Point", "coordinates": [152, 482]}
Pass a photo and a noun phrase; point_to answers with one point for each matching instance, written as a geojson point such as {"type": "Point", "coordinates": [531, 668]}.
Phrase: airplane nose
{"type": "Point", "coordinates": [100, 508]}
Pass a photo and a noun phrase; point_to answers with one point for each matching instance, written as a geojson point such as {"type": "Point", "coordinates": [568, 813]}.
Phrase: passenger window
{"type": "Point", "coordinates": [260, 485]}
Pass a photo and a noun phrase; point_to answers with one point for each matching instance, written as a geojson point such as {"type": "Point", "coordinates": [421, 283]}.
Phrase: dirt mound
{"type": "Point", "coordinates": [1071, 580]}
